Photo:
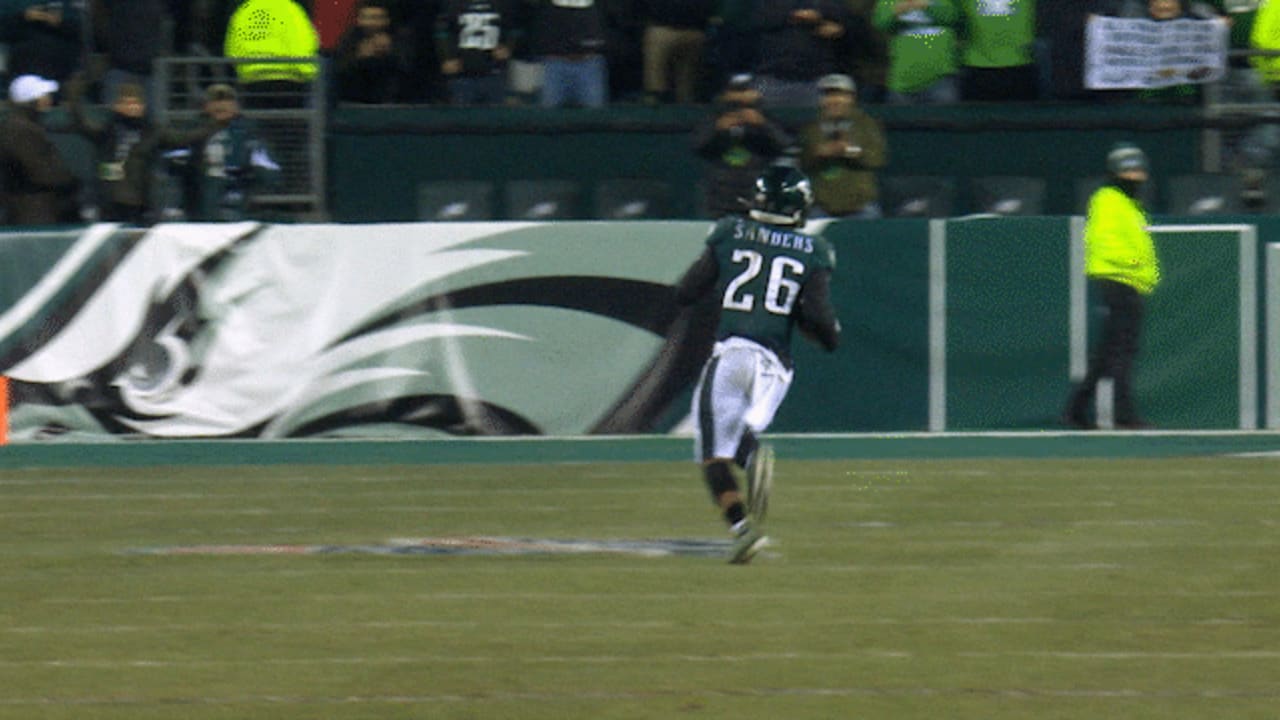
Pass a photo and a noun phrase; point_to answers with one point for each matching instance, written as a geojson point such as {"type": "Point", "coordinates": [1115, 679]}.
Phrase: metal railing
{"type": "Point", "coordinates": [1234, 106]}
{"type": "Point", "coordinates": [290, 118]}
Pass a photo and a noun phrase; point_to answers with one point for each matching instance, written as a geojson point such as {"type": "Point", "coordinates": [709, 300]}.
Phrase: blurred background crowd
{"type": "Point", "coordinates": [145, 67]}
{"type": "Point", "coordinates": [592, 52]}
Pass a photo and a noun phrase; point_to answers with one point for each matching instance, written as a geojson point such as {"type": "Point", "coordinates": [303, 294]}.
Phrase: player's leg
{"type": "Point", "coordinates": [746, 449]}
{"type": "Point", "coordinates": [719, 404]}
{"type": "Point", "coordinates": [721, 401]}
{"type": "Point", "coordinates": [725, 492]}
{"type": "Point", "coordinates": [760, 483]}
{"type": "Point", "coordinates": [768, 390]}
{"type": "Point", "coordinates": [751, 457]}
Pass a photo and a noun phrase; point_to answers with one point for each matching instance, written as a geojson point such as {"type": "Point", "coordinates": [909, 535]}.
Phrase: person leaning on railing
{"type": "Point", "coordinates": [224, 172]}
{"type": "Point", "coordinates": [126, 147]}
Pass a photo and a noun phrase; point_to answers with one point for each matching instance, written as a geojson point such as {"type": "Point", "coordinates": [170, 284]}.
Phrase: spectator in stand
{"type": "Point", "coordinates": [675, 37]}
{"type": "Point", "coordinates": [423, 83]}
{"type": "Point", "coordinates": [841, 152]}
{"type": "Point", "coordinates": [731, 41]}
{"type": "Point", "coordinates": [867, 48]}
{"type": "Point", "coordinates": [279, 29]}
{"type": "Point", "coordinates": [368, 66]}
{"type": "Point", "coordinates": [568, 37]}
{"type": "Point", "coordinates": [1243, 83]}
{"type": "Point", "coordinates": [997, 56]}
{"type": "Point", "coordinates": [126, 145]}
{"type": "Point", "coordinates": [1265, 35]}
{"type": "Point", "coordinates": [37, 186]}
{"type": "Point", "coordinates": [922, 49]}
{"type": "Point", "coordinates": [46, 39]}
{"type": "Point", "coordinates": [475, 39]}
{"type": "Point", "coordinates": [1166, 11]}
{"type": "Point", "coordinates": [799, 42]}
{"type": "Point", "coordinates": [624, 50]}
{"type": "Point", "coordinates": [132, 38]}
{"type": "Point", "coordinates": [1063, 32]}
{"type": "Point", "coordinates": [187, 16]}
{"type": "Point", "coordinates": [738, 142]}
{"type": "Point", "coordinates": [1253, 153]}
{"type": "Point", "coordinates": [1163, 9]}
{"type": "Point", "coordinates": [1240, 15]}
{"type": "Point", "coordinates": [228, 168]}
{"type": "Point", "coordinates": [219, 14]}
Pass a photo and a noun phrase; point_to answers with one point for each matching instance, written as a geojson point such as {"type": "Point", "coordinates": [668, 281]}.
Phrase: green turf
{"type": "Point", "coordinates": [994, 589]}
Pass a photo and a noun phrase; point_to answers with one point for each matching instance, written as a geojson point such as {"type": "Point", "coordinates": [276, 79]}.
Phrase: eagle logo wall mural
{"type": "Point", "coordinates": [389, 330]}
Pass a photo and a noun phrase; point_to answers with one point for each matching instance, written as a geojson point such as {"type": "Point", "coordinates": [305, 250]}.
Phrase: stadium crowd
{"type": "Point", "coordinates": [600, 51]}
{"type": "Point", "coordinates": [595, 53]}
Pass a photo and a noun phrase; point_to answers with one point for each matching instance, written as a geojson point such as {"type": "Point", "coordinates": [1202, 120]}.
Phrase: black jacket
{"type": "Point", "coordinates": [126, 152]}
{"type": "Point", "coordinates": [373, 80]}
{"type": "Point", "coordinates": [37, 186]}
{"type": "Point", "coordinates": [735, 158]}
{"type": "Point", "coordinates": [133, 37]}
{"type": "Point", "coordinates": [470, 30]}
{"type": "Point", "coordinates": [695, 14]}
{"type": "Point", "coordinates": [559, 28]}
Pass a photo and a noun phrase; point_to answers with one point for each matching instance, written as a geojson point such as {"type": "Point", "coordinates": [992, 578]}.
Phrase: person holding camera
{"type": "Point", "coordinates": [738, 141]}
{"type": "Point", "coordinates": [841, 152]}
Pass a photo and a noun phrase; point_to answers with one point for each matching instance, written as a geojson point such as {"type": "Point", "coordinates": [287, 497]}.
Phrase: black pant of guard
{"type": "Point", "coordinates": [1114, 356]}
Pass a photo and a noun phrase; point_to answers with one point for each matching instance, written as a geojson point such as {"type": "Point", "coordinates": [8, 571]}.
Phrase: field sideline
{"type": "Point", "coordinates": [645, 448]}
{"type": "Point", "coordinates": [983, 587]}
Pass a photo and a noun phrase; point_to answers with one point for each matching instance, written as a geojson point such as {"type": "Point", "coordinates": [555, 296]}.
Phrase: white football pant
{"type": "Point", "coordinates": [741, 388]}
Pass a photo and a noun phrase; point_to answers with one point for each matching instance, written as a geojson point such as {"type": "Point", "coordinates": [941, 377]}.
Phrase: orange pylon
{"type": "Point", "coordinates": [4, 410]}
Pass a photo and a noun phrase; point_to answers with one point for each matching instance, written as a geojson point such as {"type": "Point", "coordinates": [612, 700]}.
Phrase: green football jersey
{"type": "Point", "coordinates": [762, 271]}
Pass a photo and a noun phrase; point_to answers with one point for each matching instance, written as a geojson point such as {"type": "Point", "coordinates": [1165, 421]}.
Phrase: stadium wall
{"type": "Point", "coordinates": [412, 331]}
{"type": "Point", "coordinates": [379, 157]}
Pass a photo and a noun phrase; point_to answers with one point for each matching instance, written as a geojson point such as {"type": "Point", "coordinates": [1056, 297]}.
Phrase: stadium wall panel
{"type": "Point", "coordinates": [427, 331]}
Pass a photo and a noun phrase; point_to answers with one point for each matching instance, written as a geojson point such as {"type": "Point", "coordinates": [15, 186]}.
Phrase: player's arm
{"type": "Point", "coordinates": [700, 276]}
{"type": "Point", "coordinates": [817, 316]}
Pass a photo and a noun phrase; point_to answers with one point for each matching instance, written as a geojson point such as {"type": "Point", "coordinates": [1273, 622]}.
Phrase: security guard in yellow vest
{"type": "Point", "coordinates": [272, 28]}
{"type": "Point", "coordinates": [1121, 262]}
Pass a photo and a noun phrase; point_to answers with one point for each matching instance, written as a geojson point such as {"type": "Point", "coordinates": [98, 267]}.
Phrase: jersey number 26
{"type": "Point", "coordinates": [779, 295]}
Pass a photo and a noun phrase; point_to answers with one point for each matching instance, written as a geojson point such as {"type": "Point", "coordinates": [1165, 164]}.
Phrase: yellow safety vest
{"type": "Point", "coordinates": [1265, 35]}
{"type": "Point", "coordinates": [1117, 245]}
{"type": "Point", "coordinates": [291, 35]}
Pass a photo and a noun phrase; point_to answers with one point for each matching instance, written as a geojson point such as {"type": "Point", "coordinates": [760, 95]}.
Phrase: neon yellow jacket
{"type": "Point", "coordinates": [1117, 245]}
{"type": "Point", "coordinates": [1265, 35]}
{"type": "Point", "coordinates": [272, 28]}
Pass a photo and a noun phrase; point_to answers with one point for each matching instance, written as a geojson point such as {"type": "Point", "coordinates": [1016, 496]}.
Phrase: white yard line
{"type": "Point", "coordinates": [397, 625]}
{"type": "Point", "coordinates": [500, 696]}
{"type": "Point", "coordinates": [725, 596]}
{"type": "Point", "coordinates": [677, 658]}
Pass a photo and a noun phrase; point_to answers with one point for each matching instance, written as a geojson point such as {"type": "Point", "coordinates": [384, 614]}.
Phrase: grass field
{"type": "Point", "coordinates": [902, 590]}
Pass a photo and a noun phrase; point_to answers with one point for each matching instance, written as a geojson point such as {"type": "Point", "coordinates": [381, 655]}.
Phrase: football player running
{"type": "Point", "coordinates": [770, 279]}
